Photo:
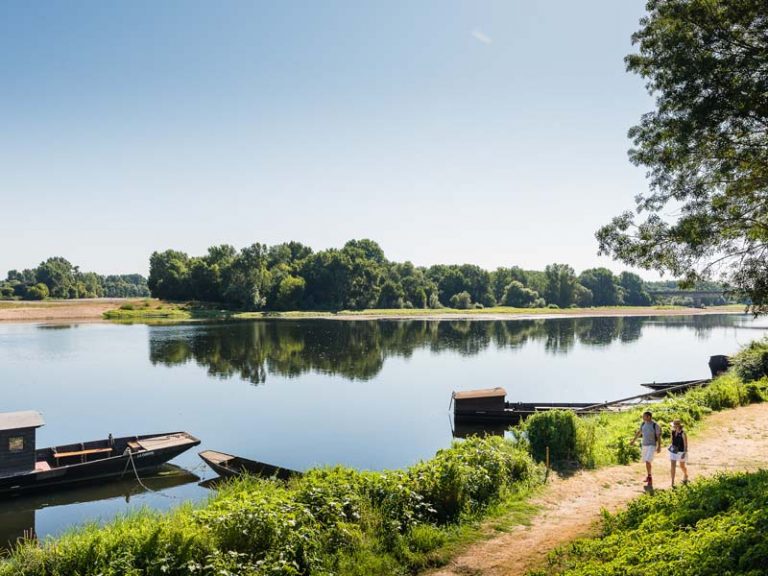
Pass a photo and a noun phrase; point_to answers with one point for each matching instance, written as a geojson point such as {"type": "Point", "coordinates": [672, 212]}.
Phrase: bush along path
{"type": "Point", "coordinates": [571, 506]}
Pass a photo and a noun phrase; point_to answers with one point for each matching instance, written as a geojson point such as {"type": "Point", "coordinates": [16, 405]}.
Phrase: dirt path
{"type": "Point", "coordinates": [730, 440]}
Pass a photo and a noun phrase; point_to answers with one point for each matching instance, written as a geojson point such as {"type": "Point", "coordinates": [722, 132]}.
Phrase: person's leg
{"type": "Point", "coordinates": [684, 468]}
{"type": "Point", "coordinates": [672, 470]}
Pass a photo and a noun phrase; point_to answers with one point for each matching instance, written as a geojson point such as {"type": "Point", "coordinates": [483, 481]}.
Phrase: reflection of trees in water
{"type": "Point", "coordinates": [357, 349]}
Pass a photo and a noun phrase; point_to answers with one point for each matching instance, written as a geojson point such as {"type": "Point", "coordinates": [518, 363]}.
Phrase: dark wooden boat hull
{"type": "Point", "coordinates": [227, 466]}
{"type": "Point", "coordinates": [514, 412]}
{"type": "Point", "coordinates": [678, 386]}
{"type": "Point", "coordinates": [17, 513]}
{"type": "Point", "coordinates": [104, 466]}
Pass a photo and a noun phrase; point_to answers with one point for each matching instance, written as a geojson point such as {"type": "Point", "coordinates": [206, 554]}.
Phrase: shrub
{"type": "Point", "coordinates": [751, 363]}
{"type": "Point", "coordinates": [555, 429]}
{"type": "Point", "coordinates": [461, 301]}
{"type": "Point", "coordinates": [37, 292]}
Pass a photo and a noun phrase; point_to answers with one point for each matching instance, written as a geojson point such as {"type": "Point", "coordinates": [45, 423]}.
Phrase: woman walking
{"type": "Point", "coordinates": [678, 451]}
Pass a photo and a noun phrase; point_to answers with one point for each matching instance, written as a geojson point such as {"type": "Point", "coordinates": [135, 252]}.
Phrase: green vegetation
{"type": "Point", "coordinates": [709, 528]}
{"type": "Point", "coordinates": [340, 521]}
{"type": "Point", "coordinates": [603, 439]}
{"type": "Point", "coordinates": [58, 278]}
{"type": "Point", "coordinates": [291, 276]}
{"type": "Point", "coordinates": [333, 521]}
{"type": "Point", "coordinates": [752, 362]}
{"type": "Point", "coordinates": [148, 310]}
{"type": "Point", "coordinates": [704, 147]}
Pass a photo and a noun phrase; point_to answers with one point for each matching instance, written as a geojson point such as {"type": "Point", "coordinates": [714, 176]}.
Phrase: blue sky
{"type": "Point", "coordinates": [488, 132]}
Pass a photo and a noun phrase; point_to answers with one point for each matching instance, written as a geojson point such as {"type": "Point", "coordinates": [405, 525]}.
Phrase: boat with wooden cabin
{"type": "Point", "coordinates": [490, 405]}
{"type": "Point", "coordinates": [24, 468]}
{"type": "Point", "coordinates": [227, 465]}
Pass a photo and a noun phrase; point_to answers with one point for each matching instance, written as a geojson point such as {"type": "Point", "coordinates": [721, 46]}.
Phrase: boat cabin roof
{"type": "Point", "coordinates": [484, 393]}
{"type": "Point", "coordinates": [17, 420]}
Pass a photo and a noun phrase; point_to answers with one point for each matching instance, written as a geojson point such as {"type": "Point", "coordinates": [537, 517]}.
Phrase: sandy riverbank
{"type": "Point", "coordinates": [91, 310]}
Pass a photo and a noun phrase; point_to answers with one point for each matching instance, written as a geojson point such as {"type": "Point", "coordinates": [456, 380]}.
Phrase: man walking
{"type": "Point", "coordinates": [651, 443]}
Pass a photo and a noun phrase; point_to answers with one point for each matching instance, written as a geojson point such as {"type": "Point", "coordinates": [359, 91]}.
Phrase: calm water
{"type": "Point", "coordinates": [309, 393]}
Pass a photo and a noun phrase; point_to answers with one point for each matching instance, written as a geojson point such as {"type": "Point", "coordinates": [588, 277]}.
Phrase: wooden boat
{"type": "Point", "coordinates": [490, 405]}
{"type": "Point", "coordinates": [17, 514]}
{"type": "Point", "coordinates": [677, 386]}
{"type": "Point", "coordinates": [23, 468]}
{"type": "Point", "coordinates": [227, 465]}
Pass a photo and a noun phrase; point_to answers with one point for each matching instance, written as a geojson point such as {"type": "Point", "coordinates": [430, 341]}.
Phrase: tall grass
{"type": "Point", "coordinates": [603, 439]}
{"type": "Point", "coordinates": [713, 527]}
{"type": "Point", "coordinates": [330, 521]}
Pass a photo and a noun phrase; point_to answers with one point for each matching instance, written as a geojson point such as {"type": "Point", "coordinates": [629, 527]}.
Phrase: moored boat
{"type": "Point", "coordinates": [23, 468]}
{"type": "Point", "coordinates": [490, 405]}
{"type": "Point", "coordinates": [679, 386]}
{"type": "Point", "coordinates": [227, 465]}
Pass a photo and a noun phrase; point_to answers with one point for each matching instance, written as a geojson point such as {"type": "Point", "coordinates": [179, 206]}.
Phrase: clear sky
{"type": "Point", "coordinates": [478, 131]}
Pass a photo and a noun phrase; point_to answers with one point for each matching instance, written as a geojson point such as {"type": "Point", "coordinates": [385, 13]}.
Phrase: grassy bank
{"type": "Point", "coordinates": [709, 528]}
{"type": "Point", "coordinates": [328, 522]}
{"type": "Point", "coordinates": [346, 522]}
{"type": "Point", "coordinates": [603, 439]}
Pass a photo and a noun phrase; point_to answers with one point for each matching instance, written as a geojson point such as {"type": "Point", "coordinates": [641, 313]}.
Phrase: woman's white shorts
{"type": "Point", "coordinates": [648, 453]}
{"type": "Point", "coordinates": [679, 457]}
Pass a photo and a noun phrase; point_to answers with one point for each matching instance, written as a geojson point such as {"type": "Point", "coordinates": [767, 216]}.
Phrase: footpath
{"type": "Point", "coordinates": [728, 441]}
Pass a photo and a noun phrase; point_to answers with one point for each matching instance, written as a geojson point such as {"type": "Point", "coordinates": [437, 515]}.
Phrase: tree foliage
{"type": "Point", "coordinates": [56, 277]}
{"type": "Point", "coordinates": [705, 146]}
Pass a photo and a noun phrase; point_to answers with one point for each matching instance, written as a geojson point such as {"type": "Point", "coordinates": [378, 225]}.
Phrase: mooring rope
{"type": "Point", "coordinates": [138, 478]}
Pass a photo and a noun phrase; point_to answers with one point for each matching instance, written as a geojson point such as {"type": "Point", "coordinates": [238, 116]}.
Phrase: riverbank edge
{"type": "Point", "coordinates": [150, 310]}
{"type": "Point", "coordinates": [435, 543]}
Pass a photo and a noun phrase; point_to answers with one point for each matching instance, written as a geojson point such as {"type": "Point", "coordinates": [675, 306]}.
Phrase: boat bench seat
{"type": "Point", "coordinates": [83, 453]}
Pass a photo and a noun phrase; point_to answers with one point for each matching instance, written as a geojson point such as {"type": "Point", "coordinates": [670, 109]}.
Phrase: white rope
{"type": "Point", "coordinates": [138, 479]}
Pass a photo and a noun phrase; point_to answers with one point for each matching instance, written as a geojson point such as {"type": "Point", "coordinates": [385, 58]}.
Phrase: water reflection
{"type": "Point", "coordinates": [357, 350]}
{"type": "Point", "coordinates": [17, 515]}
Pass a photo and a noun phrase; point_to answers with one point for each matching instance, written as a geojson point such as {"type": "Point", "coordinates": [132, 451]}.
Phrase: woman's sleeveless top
{"type": "Point", "coordinates": [677, 441]}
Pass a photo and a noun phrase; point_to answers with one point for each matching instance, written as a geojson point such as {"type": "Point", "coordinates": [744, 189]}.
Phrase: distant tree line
{"type": "Point", "coordinates": [291, 276]}
{"type": "Point", "coordinates": [58, 278]}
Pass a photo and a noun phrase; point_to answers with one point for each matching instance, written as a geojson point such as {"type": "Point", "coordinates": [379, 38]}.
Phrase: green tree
{"type": "Point", "coordinates": [603, 285]}
{"type": "Point", "coordinates": [391, 295]}
{"type": "Point", "coordinates": [169, 275]}
{"type": "Point", "coordinates": [247, 280]}
{"type": "Point", "coordinates": [37, 291]}
{"type": "Point", "coordinates": [289, 294]}
{"type": "Point", "coordinates": [59, 276]}
{"type": "Point", "coordinates": [515, 294]}
{"type": "Point", "coordinates": [462, 301]}
{"type": "Point", "coordinates": [705, 146]}
{"type": "Point", "coordinates": [89, 285]}
{"type": "Point", "coordinates": [561, 285]}
{"type": "Point", "coordinates": [634, 290]}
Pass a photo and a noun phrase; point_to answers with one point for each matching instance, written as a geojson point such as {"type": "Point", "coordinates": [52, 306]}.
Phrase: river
{"type": "Point", "coordinates": [304, 393]}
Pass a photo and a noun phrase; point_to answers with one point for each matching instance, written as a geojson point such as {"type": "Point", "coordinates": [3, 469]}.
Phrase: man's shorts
{"type": "Point", "coordinates": [648, 453]}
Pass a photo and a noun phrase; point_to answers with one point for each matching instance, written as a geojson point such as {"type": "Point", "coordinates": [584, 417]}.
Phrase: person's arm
{"type": "Point", "coordinates": [637, 435]}
{"type": "Point", "coordinates": [685, 442]}
{"type": "Point", "coordinates": [658, 438]}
